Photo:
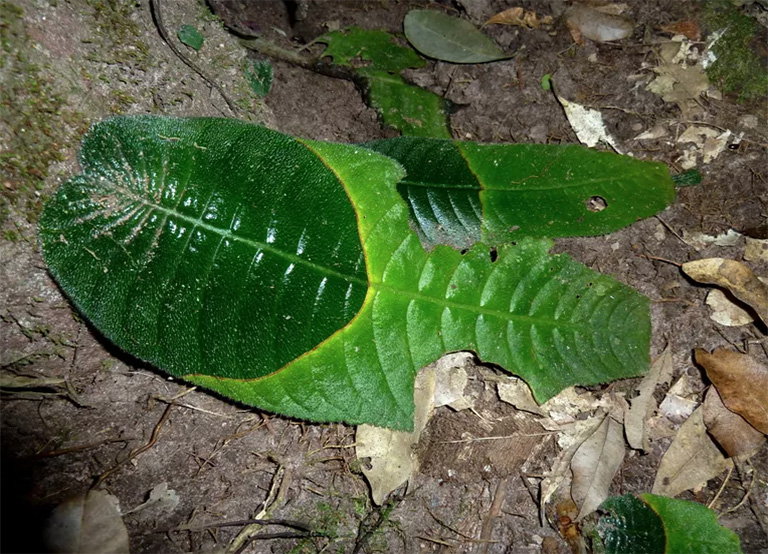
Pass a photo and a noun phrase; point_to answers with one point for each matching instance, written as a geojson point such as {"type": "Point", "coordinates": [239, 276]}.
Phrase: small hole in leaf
{"type": "Point", "coordinates": [366, 462]}
{"type": "Point", "coordinates": [596, 204]}
{"type": "Point", "coordinates": [464, 251]}
{"type": "Point", "coordinates": [494, 255]}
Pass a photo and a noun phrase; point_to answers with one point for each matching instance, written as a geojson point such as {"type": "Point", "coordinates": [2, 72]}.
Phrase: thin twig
{"type": "Point", "coordinates": [722, 487]}
{"type": "Point", "coordinates": [493, 513]}
{"type": "Point", "coordinates": [160, 24]}
{"type": "Point", "coordinates": [140, 450]}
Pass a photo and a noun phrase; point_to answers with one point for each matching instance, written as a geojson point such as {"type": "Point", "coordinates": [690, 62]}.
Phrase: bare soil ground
{"type": "Point", "coordinates": [71, 63]}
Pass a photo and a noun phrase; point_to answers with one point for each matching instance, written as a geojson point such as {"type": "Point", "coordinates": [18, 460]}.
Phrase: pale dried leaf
{"type": "Point", "coordinates": [643, 405]}
{"type": "Point", "coordinates": [10, 381]}
{"type": "Point", "coordinates": [700, 241]}
{"type": "Point", "coordinates": [691, 460]}
{"type": "Point", "coordinates": [731, 431]}
{"type": "Point", "coordinates": [86, 524]}
{"type": "Point", "coordinates": [594, 465]}
{"type": "Point", "coordinates": [741, 381]}
{"type": "Point", "coordinates": [588, 124]}
{"type": "Point", "coordinates": [734, 276]}
{"type": "Point", "coordinates": [756, 250]}
{"type": "Point", "coordinates": [451, 380]}
{"type": "Point", "coordinates": [561, 467]}
{"type": "Point", "coordinates": [596, 25]}
{"type": "Point", "coordinates": [518, 393]}
{"type": "Point", "coordinates": [520, 18]}
{"type": "Point", "coordinates": [391, 453]}
{"type": "Point", "coordinates": [725, 311]}
{"type": "Point", "coordinates": [161, 500]}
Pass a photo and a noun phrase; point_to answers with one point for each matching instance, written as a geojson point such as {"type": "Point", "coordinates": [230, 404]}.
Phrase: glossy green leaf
{"type": "Point", "coordinates": [189, 35]}
{"type": "Point", "coordinates": [660, 525]}
{"type": "Point", "coordinates": [283, 273]}
{"type": "Point", "coordinates": [459, 193]}
{"type": "Point", "coordinates": [378, 59]}
{"type": "Point", "coordinates": [448, 38]}
{"type": "Point", "coordinates": [630, 526]}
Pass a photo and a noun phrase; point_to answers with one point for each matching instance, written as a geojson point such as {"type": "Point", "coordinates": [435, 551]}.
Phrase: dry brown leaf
{"type": "Point", "coordinates": [741, 381]}
{"type": "Point", "coordinates": [87, 523]}
{"type": "Point", "coordinates": [734, 276]}
{"type": "Point", "coordinates": [731, 431]}
{"type": "Point", "coordinates": [691, 460]}
{"type": "Point", "coordinates": [520, 18]}
{"type": "Point", "coordinates": [594, 465]}
{"type": "Point", "coordinates": [643, 405]}
{"type": "Point", "coordinates": [689, 29]}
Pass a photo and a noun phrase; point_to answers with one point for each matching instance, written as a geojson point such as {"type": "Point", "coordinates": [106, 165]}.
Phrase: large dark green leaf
{"type": "Point", "coordinates": [283, 273]}
{"type": "Point", "coordinates": [459, 193]}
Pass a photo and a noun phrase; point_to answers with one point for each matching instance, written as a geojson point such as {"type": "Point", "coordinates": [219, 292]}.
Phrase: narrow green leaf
{"type": "Point", "coordinates": [189, 35]}
{"type": "Point", "coordinates": [691, 528]}
{"type": "Point", "coordinates": [258, 73]}
{"type": "Point", "coordinates": [411, 110]}
{"type": "Point", "coordinates": [283, 273]}
{"type": "Point", "coordinates": [407, 108]}
{"type": "Point", "coordinates": [450, 39]}
{"type": "Point", "coordinates": [459, 193]}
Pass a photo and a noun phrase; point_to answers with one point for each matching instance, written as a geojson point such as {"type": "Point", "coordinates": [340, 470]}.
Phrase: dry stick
{"type": "Point", "coordinates": [72, 449]}
{"type": "Point", "coordinates": [140, 450]}
{"type": "Point", "coordinates": [236, 523]}
{"type": "Point", "coordinates": [722, 487]}
{"type": "Point", "coordinates": [493, 513]}
{"type": "Point", "coordinates": [160, 24]}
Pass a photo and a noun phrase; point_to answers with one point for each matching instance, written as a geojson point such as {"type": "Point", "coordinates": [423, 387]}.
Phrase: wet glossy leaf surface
{"type": "Point", "coordinates": [283, 273]}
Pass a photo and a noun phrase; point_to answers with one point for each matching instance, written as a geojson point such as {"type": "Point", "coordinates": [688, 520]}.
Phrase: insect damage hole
{"type": "Point", "coordinates": [596, 204]}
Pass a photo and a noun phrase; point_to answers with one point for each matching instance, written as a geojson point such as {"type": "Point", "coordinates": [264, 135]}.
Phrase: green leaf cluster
{"type": "Point", "coordinates": [655, 524]}
{"type": "Point", "coordinates": [285, 273]}
{"type": "Point", "coordinates": [378, 59]}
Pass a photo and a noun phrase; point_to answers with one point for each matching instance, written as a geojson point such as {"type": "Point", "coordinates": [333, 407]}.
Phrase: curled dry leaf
{"type": "Point", "coordinates": [520, 18]}
{"type": "Point", "coordinates": [594, 465]}
{"type": "Point", "coordinates": [691, 460]}
{"type": "Point", "coordinates": [87, 523]}
{"type": "Point", "coordinates": [741, 381]}
{"type": "Point", "coordinates": [734, 276]}
{"type": "Point", "coordinates": [643, 405]}
{"type": "Point", "coordinates": [729, 429]}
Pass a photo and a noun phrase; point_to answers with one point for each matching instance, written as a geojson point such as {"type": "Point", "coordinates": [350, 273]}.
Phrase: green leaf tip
{"type": "Point", "coordinates": [284, 273]}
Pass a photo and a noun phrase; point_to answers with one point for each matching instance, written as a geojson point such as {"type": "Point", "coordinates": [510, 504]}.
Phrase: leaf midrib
{"type": "Point", "coordinates": [376, 286]}
{"type": "Point", "coordinates": [480, 187]}
{"type": "Point", "coordinates": [228, 234]}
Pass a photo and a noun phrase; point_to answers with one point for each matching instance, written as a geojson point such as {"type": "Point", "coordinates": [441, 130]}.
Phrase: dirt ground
{"type": "Point", "coordinates": [71, 63]}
